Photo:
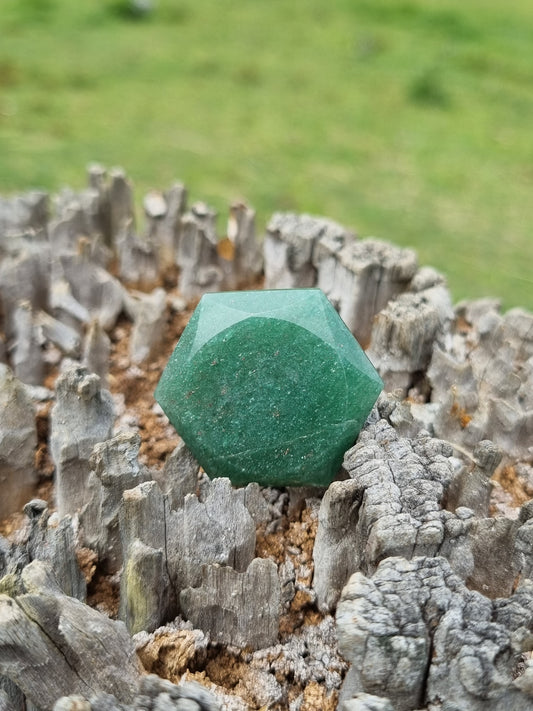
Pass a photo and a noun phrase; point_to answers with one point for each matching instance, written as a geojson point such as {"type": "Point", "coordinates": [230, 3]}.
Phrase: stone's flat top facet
{"type": "Point", "coordinates": [268, 386]}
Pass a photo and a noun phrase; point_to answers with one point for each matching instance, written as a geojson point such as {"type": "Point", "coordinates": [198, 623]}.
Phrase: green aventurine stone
{"type": "Point", "coordinates": [268, 386]}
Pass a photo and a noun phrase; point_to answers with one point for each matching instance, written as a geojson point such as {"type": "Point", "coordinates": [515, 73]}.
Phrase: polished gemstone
{"type": "Point", "coordinates": [268, 386]}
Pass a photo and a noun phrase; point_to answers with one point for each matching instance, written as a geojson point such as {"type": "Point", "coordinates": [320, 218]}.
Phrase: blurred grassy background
{"type": "Point", "coordinates": [410, 121]}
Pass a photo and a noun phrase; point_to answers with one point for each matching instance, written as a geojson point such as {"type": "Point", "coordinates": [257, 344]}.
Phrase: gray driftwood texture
{"type": "Point", "coordinates": [52, 645]}
{"type": "Point", "coordinates": [114, 469]}
{"type": "Point", "coordinates": [18, 438]}
{"type": "Point", "coordinates": [392, 505]}
{"type": "Point", "coordinates": [26, 353]}
{"type": "Point", "coordinates": [24, 276]}
{"type": "Point", "coordinates": [164, 212]}
{"type": "Point", "coordinates": [426, 560]}
{"type": "Point", "coordinates": [241, 609]}
{"type": "Point", "coordinates": [92, 286]}
{"type": "Point", "coordinates": [82, 416]}
{"type": "Point", "coordinates": [146, 594]}
{"type": "Point", "coordinates": [369, 273]}
{"type": "Point", "coordinates": [45, 538]}
{"type": "Point", "coordinates": [54, 256]}
{"type": "Point", "coordinates": [137, 257]}
{"type": "Point", "coordinates": [358, 276]}
{"type": "Point", "coordinates": [197, 254]}
{"type": "Point", "coordinates": [246, 262]}
{"type": "Point", "coordinates": [165, 553]}
{"type": "Point", "coordinates": [179, 476]}
{"type": "Point", "coordinates": [96, 351]}
{"type": "Point", "coordinates": [148, 313]}
{"type": "Point", "coordinates": [405, 332]}
{"type": "Point", "coordinates": [415, 634]}
{"type": "Point", "coordinates": [291, 246]}
{"type": "Point", "coordinates": [28, 212]}
{"type": "Point", "coordinates": [487, 376]}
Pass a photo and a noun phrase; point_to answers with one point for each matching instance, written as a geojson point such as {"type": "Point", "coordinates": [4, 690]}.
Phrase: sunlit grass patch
{"type": "Point", "coordinates": [408, 120]}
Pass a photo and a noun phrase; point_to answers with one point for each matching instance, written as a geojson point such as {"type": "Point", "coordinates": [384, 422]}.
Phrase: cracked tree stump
{"type": "Point", "coordinates": [424, 548]}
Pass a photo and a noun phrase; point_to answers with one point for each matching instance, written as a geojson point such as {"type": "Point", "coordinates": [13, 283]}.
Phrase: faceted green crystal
{"type": "Point", "coordinates": [268, 386]}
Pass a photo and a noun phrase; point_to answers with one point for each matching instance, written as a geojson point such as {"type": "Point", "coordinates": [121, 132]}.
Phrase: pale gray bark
{"type": "Point", "coordinates": [93, 287]}
{"type": "Point", "coordinates": [179, 476]}
{"type": "Point", "coordinates": [11, 697]}
{"type": "Point", "coordinates": [290, 244]}
{"type": "Point", "coordinates": [166, 551]}
{"type": "Point", "coordinates": [308, 655]}
{"type": "Point", "coordinates": [122, 212]}
{"type": "Point", "coordinates": [472, 487]}
{"type": "Point", "coordinates": [75, 224]}
{"type": "Point", "coordinates": [358, 276]}
{"type": "Point", "coordinates": [96, 351]}
{"type": "Point", "coordinates": [138, 261]}
{"type": "Point", "coordinates": [164, 212]}
{"type": "Point", "coordinates": [197, 254]}
{"type": "Point", "coordinates": [114, 469]}
{"type": "Point", "coordinates": [24, 277]}
{"type": "Point", "coordinates": [393, 505]}
{"type": "Point", "coordinates": [366, 702]}
{"type": "Point", "coordinates": [230, 541]}
{"type": "Point", "coordinates": [365, 276]}
{"type": "Point", "coordinates": [64, 337]}
{"type": "Point", "coordinates": [149, 317]}
{"type": "Point", "coordinates": [244, 259]}
{"type": "Point", "coordinates": [64, 307]}
{"type": "Point", "coordinates": [415, 634]}
{"type": "Point", "coordinates": [336, 541]}
{"type": "Point", "coordinates": [98, 182]}
{"type": "Point", "coordinates": [154, 694]}
{"type": "Point", "coordinates": [18, 439]}
{"type": "Point", "coordinates": [52, 645]}
{"type": "Point", "coordinates": [45, 538]}
{"type": "Point", "coordinates": [147, 597]}
{"type": "Point", "coordinates": [405, 332]}
{"type": "Point", "coordinates": [241, 609]}
{"type": "Point", "coordinates": [25, 348]}
{"type": "Point", "coordinates": [24, 213]}
{"type": "Point", "coordinates": [82, 416]}
{"type": "Point", "coordinates": [54, 542]}
{"type": "Point", "coordinates": [482, 382]}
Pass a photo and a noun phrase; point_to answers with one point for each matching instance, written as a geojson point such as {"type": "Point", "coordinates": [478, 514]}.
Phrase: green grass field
{"type": "Point", "coordinates": [410, 121]}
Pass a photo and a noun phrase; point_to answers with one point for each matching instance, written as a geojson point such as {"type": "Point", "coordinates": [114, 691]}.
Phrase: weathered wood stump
{"type": "Point", "coordinates": [422, 547]}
